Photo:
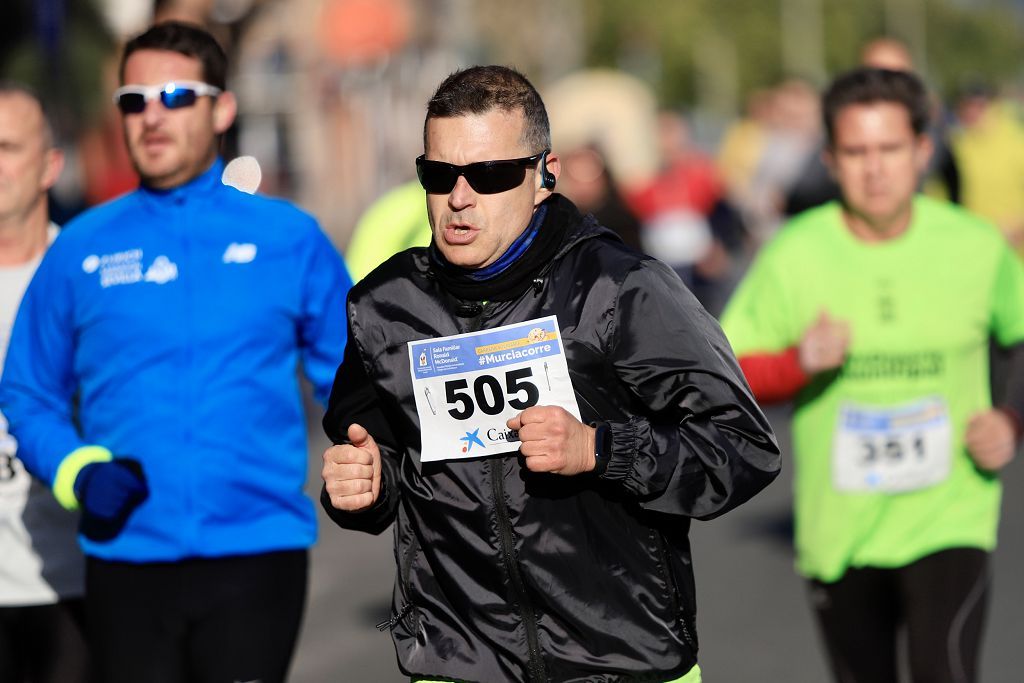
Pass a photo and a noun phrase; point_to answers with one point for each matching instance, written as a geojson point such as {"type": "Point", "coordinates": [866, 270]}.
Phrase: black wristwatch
{"type": "Point", "coordinates": [602, 446]}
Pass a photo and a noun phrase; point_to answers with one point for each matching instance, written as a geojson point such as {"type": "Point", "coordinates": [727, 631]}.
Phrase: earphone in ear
{"type": "Point", "coordinates": [547, 178]}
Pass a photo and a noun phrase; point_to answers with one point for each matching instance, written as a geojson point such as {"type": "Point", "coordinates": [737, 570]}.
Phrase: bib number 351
{"type": "Point", "coordinates": [489, 395]}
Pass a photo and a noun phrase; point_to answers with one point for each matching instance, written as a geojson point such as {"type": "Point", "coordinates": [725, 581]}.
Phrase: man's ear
{"type": "Point", "coordinates": [554, 167]}
{"type": "Point", "coordinates": [225, 107]}
{"type": "Point", "coordinates": [53, 165]}
{"type": "Point", "coordinates": [924, 148]}
{"type": "Point", "coordinates": [829, 159]}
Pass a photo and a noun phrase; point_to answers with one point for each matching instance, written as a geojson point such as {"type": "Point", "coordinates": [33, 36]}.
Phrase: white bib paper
{"type": "Point", "coordinates": [892, 449]}
{"type": "Point", "coordinates": [14, 479]}
{"type": "Point", "coordinates": [468, 386]}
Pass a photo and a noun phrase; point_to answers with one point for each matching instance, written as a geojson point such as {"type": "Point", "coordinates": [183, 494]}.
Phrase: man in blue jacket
{"type": "Point", "coordinates": [151, 381]}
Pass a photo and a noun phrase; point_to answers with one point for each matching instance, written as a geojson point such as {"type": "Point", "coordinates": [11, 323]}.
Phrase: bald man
{"type": "Point", "coordinates": [887, 53]}
{"type": "Point", "coordinates": [943, 174]}
{"type": "Point", "coordinates": [41, 567]}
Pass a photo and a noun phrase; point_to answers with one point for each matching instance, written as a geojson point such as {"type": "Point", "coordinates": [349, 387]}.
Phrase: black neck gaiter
{"type": "Point", "coordinates": [517, 278]}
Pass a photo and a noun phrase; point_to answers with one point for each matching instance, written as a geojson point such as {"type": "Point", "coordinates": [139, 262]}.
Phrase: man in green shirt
{"type": "Point", "coordinates": [874, 315]}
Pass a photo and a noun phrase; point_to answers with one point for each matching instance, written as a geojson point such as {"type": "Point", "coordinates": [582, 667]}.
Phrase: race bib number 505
{"type": "Point", "coordinates": [467, 386]}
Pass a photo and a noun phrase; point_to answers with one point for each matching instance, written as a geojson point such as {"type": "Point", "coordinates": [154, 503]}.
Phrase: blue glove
{"type": "Point", "coordinates": [108, 493]}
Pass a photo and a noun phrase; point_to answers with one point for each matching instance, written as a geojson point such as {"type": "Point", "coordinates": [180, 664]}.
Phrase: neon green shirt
{"type": "Point", "coordinates": [921, 309]}
{"type": "Point", "coordinates": [393, 223]}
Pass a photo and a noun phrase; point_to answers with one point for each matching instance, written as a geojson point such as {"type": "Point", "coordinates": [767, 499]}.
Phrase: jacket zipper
{"type": "Point", "coordinates": [477, 323]}
{"type": "Point", "coordinates": [673, 590]}
{"type": "Point", "coordinates": [403, 577]}
{"type": "Point", "coordinates": [535, 668]}
{"type": "Point", "coordinates": [389, 624]}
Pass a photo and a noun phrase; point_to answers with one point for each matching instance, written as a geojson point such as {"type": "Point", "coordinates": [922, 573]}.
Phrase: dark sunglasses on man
{"type": "Point", "coordinates": [132, 99]}
{"type": "Point", "coordinates": [485, 177]}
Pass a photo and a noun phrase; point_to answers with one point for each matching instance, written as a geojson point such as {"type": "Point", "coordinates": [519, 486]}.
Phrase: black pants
{"type": "Point", "coordinates": [217, 620]}
{"type": "Point", "coordinates": [44, 644]}
{"type": "Point", "coordinates": [940, 602]}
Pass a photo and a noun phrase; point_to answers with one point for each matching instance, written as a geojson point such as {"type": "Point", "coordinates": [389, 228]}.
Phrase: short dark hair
{"type": "Point", "coordinates": [187, 39]}
{"type": "Point", "coordinates": [479, 89]}
{"type": "Point", "coordinates": [8, 88]}
{"type": "Point", "coordinates": [867, 85]}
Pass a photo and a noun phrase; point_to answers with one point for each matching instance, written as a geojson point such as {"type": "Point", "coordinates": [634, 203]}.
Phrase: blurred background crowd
{"type": "Point", "coordinates": [692, 128]}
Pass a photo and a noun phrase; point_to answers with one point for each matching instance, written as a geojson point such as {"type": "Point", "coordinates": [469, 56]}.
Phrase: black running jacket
{"type": "Point", "coordinates": [509, 575]}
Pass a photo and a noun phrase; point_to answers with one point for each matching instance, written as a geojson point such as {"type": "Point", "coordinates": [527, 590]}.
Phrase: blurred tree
{"type": "Point", "coordinates": [983, 43]}
{"type": "Point", "coordinates": [547, 41]}
{"type": "Point", "coordinates": [59, 47]}
{"type": "Point", "coordinates": [660, 40]}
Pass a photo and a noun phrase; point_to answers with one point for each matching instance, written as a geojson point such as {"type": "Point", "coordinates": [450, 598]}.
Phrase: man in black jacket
{"type": "Point", "coordinates": [540, 411]}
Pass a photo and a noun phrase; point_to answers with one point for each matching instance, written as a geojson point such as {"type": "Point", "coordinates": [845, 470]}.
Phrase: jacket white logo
{"type": "Point", "coordinates": [162, 270]}
{"type": "Point", "coordinates": [119, 268]}
{"type": "Point", "coordinates": [91, 263]}
{"type": "Point", "coordinates": [240, 253]}
{"type": "Point", "coordinates": [125, 268]}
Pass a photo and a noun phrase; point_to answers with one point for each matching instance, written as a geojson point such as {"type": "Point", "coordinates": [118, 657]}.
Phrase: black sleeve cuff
{"type": "Point", "coordinates": [623, 445]}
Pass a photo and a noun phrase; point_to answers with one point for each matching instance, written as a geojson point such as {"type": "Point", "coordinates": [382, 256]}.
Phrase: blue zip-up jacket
{"type": "Point", "coordinates": [179, 319]}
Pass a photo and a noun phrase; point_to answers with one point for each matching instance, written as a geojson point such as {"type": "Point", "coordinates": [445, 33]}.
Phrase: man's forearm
{"type": "Point", "coordinates": [774, 377]}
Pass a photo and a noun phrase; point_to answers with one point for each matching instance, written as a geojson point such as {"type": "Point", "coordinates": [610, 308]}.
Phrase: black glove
{"type": "Point", "coordinates": [108, 493]}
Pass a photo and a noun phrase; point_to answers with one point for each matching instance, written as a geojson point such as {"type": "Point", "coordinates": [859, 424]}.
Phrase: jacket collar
{"type": "Point", "coordinates": [562, 228]}
{"type": "Point", "coordinates": [202, 185]}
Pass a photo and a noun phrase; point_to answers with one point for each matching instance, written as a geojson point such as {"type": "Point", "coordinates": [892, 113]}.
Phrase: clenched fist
{"type": "Point", "coordinates": [554, 441]}
{"type": "Point", "coordinates": [352, 471]}
{"type": "Point", "coordinates": [824, 344]}
{"type": "Point", "coordinates": [990, 439]}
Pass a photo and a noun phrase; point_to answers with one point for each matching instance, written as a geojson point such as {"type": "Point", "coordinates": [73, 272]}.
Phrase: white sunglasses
{"type": "Point", "coordinates": [132, 99]}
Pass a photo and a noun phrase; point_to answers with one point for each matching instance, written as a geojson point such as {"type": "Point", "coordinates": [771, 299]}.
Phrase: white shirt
{"type": "Point", "coordinates": [40, 561]}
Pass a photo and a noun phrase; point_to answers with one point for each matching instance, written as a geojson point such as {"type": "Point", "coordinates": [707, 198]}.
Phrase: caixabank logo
{"type": "Point", "coordinates": [498, 435]}
{"type": "Point", "coordinates": [472, 439]}
{"type": "Point", "coordinates": [475, 439]}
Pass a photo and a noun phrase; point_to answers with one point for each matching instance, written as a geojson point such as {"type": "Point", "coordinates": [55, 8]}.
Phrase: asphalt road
{"type": "Point", "coordinates": [753, 618]}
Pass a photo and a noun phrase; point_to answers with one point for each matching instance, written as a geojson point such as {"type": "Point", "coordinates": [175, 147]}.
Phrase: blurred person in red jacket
{"type": "Point", "coordinates": [687, 223]}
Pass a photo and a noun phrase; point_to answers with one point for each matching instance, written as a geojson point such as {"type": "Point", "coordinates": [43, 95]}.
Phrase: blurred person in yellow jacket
{"type": "Point", "coordinates": [989, 148]}
{"type": "Point", "coordinates": [393, 223]}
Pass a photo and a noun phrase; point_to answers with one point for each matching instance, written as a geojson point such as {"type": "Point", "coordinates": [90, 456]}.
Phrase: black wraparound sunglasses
{"type": "Point", "coordinates": [485, 177]}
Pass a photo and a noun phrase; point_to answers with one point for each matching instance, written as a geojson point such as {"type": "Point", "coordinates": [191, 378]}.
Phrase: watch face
{"type": "Point", "coordinates": [602, 448]}
{"type": "Point", "coordinates": [602, 442]}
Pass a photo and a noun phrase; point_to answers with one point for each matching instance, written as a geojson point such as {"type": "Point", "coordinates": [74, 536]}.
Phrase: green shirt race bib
{"type": "Point", "coordinates": [892, 449]}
